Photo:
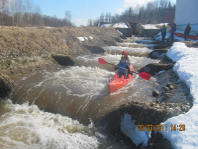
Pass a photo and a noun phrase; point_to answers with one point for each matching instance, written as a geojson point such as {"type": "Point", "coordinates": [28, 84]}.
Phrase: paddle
{"type": "Point", "coordinates": [143, 75]}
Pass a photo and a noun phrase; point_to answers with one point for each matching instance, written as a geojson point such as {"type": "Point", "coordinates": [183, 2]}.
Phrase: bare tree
{"type": "Point", "coordinates": [24, 13]}
{"type": "Point", "coordinates": [158, 11]}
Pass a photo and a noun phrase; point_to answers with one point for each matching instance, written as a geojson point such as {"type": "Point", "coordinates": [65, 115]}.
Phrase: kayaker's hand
{"type": "Point", "coordinates": [116, 67]}
{"type": "Point", "coordinates": [131, 72]}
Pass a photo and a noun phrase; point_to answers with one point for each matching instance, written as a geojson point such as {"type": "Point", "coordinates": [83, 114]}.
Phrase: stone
{"type": "Point", "coordinates": [6, 85]}
{"type": "Point", "coordinates": [170, 86]}
{"type": "Point", "coordinates": [64, 60]}
{"type": "Point", "coordinates": [154, 68]}
{"type": "Point", "coordinates": [155, 93]}
{"type": "Point", "coordinates": [157, 54]}
{"type": "Point", "coordinates": [166, 89]}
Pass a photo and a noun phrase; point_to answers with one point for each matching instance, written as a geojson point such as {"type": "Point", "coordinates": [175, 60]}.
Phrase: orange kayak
{"type": "Point", "coordinates": [117, 82]}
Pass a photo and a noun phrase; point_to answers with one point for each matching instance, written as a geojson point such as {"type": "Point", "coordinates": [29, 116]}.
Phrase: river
{"type": "Point", "coordinates": [73, 98]}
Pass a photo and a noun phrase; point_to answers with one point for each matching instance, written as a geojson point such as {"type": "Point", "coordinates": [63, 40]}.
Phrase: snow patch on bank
{"type": "Point", "coordinates": [187, 68]}
{"type": "Point", "coordinates": [81, 39]}
{"type": "Point", "coordinates": [129, 128]}
{"type": "Point", "coordinates": [120, 25]}
{"type": "Point", "coordinates": [153, 26]}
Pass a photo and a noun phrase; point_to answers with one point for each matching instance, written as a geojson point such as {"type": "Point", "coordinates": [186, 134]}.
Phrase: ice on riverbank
{"type": "Point", "coordinates": [187, 69]}
{"type": "Point", "coordinates": [129, 128]}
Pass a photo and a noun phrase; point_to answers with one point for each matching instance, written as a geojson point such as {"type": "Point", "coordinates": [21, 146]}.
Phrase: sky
{"type": "Point", "coordinates": [82, 10]}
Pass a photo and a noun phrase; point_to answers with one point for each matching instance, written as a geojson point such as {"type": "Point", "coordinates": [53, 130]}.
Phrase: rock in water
{"type": "Point", "coordinates": [156, 93]}
{"type": "Point", "coordinates": [154, 68]}
{"type": "Point", "coordinates": [64, 60]}
{"type": "Point", "coordinates": [6, 85]}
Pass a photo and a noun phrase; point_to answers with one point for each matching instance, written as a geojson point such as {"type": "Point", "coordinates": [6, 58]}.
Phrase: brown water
{"type": "Point", "coordinates": [79, 92]}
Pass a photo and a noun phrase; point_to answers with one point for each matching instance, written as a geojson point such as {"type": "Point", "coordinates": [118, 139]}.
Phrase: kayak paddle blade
{"type": "Point", "coordinates": [145, 75]}
{"type": "Point", "coordinates": [102, 61]}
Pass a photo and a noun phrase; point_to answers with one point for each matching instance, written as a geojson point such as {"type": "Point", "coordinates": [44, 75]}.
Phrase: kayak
{"type": "Point", "coordinates": [117, 82]}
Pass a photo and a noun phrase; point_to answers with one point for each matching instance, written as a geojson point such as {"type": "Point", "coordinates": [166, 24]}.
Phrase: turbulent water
{"type": "Point", "coordinates": [79, 92]}
{"type": "Point", "coordinates": [25, 126]}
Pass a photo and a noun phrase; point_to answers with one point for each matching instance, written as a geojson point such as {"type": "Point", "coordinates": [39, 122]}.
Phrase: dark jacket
{"type": "Point", "coordinates": [173, 28]}
{"type": "Point", "coordinates": [187, 30]}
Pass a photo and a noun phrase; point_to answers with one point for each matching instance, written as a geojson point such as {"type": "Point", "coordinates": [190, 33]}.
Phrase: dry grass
{"type": "Point", "coordinates": [32, 46]}
{"type": "Point", "coordinates": [17, 41]}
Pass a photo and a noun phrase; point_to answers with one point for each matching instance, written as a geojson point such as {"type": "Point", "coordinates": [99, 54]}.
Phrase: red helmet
{"type": "Point", "coordinates": [125, 54]}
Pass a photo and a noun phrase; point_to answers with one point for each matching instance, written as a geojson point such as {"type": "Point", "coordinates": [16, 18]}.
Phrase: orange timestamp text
{"type": "Point", "coordinates": [162, 127]}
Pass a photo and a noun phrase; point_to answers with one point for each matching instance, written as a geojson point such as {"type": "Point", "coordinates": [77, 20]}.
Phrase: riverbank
{"type": "Point", "coordinates": [33, 47]}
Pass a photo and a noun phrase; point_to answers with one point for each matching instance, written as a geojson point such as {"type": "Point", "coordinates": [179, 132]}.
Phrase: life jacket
{"type": "Point", "coordinates": [123, 66]}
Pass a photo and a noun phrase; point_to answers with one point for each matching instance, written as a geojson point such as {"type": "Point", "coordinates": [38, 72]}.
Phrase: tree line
{"type": "Point", "coordinates": [25, 13]}
{"type": "Point", "coordinates": [158, 11]}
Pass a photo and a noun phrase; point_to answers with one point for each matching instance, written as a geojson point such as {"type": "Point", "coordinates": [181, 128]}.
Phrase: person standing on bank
{"type": "Point", "coordinates": [163, 32]}
{"type": "Point", "coordinates": [187, 32]}
{"type": "Point", "coordinates": [173, 29]}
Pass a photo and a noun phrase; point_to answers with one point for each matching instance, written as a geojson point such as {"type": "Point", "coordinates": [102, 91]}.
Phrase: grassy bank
{"type": "Point", "coordinates": [27, 47]}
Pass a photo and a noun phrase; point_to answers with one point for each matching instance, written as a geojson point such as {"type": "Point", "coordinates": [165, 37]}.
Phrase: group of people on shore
{"type": "Point", "coordinates": [172, 32]}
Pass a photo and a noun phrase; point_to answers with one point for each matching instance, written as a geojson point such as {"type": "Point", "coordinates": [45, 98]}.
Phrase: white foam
{"type": "Point", "coordinates": [27, 127]}
{"type": "Point", "coordinates": [135, 61]}
{"type": "Point", "coordinates": [127, 49]}
{"type": "Point", "coordinates": [79, 81]}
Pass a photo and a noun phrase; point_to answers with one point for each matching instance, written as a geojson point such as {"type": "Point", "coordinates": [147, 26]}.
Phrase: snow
{"type": "Point", "coordinates": [106, 25]}
{"type": "Point", "coordinates": [119, 32]}
{"type": "Point", "coordinates": [129, 128]}
{"type": "Point", "coordinates": [91, 38]}
{"type": "Point", "coordinates": [149, 26]}
{"type": "Point", "coordinates": [187, 69]}
{"type": "Point", "coordinates": [81, 39]}
{"type": "Point", "coordinates": [153, 26]}
{"type": "Point", "coordinates": [120, 25]}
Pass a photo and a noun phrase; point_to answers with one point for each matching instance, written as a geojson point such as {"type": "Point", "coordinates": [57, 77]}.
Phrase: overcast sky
{"type": "Point", "coordinates": [82, 10]}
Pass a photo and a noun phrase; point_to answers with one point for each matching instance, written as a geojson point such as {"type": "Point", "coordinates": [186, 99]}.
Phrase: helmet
{"type": "Point", "coordinates": [124, 53]}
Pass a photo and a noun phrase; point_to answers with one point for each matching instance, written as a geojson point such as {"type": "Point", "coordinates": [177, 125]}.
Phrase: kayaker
{"type": "Point", "coordinates": [123, 67]}
{"type": "Point", "coordinates": [130, 67]}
